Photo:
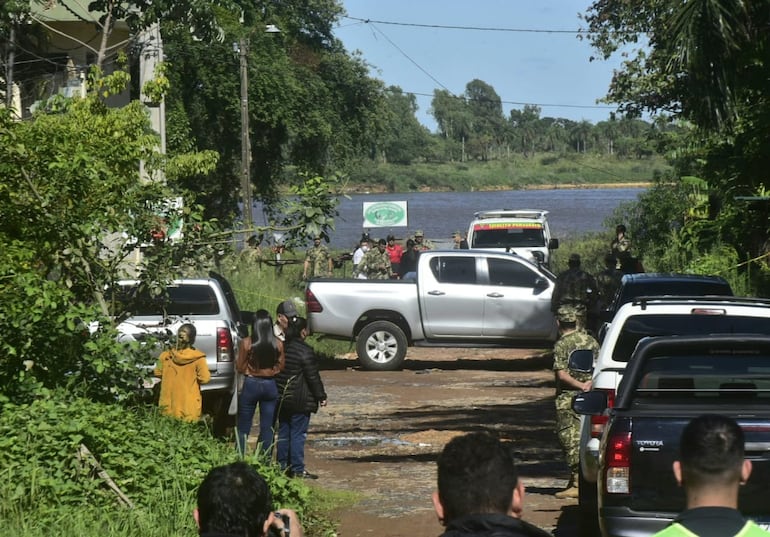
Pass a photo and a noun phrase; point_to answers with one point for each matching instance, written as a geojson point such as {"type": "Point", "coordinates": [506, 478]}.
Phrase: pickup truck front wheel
{"type": "Point", "coordinates": [381, 346]}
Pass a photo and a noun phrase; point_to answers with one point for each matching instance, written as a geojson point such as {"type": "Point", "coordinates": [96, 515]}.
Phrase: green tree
{"type": "Point", "coordinates": [526, 128]}
{"type": "Point", "coordinates": [486, 110]}
{"type": "Point", "coordinates": [403, 139]}
{"type": "Point", "coordinates": [312, 105]}
{"type": "Point", "coordinates": [454, 119]}
{"type": "Point", "coordinates": [706, 63]}
{"type": "Point", "coordinates": [73, 209]}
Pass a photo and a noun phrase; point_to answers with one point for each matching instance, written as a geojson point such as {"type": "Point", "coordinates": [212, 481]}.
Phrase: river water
{"type": "Point", "coordinates": [438, 214]}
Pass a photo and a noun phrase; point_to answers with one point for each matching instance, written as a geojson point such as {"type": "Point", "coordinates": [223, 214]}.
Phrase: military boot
{"type": "Point", "coordinates": [571, 492]}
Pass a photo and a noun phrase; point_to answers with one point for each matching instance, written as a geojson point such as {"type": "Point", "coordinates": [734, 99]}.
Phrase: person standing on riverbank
{"type": "Point", "coordinates": [318, 260]}
{"type": "Point", "coordinates": [376, 263]}
{"type": "Point", "coordinates": [395, 251]}
{"type": "Point", "coordinates": [620, 247]}
{"type": "Point", "coordinates": [460, 242]}
{"type": "Point", "coordinates": [408, 266]}
{"type": "Point", "coordinates": [421, 242]}
{"type": "Point", "coordinates": [363, 247]}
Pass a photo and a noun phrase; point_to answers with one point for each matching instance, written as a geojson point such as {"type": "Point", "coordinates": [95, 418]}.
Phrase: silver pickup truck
{"type": "Point", "coordinates": [210, 305]}
{"type": "Point", "coordinates": [460, 298]}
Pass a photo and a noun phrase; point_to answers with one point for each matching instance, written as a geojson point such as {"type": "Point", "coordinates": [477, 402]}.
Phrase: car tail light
{"type": "Point", "coordinates": [311, 302]}
{"type": "Point", "coordinates": [599, 422]}
{"type": "Point", "coordinates": [617, 463]}
{"type": "Point", "coordinates": [224, 345]}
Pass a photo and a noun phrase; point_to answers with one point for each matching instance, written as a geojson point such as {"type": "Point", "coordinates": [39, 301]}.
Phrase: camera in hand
{"type": "Point", "coordinates": [275, 531]}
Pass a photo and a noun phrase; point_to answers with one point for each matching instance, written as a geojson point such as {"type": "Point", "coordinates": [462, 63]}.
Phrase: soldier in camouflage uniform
{"type": "Point", "coordinates": [421, 242]}
{"type": "Point", "coordinates": [574, 292]}
{"type": "Point", "coordinates": [376, 263]}
{"type": "Point", "coordinates": [568, 384]}
{"type": "Point", "coordinates": [318, 260]}
{"type": "Point", "coordinates": [607, 282]}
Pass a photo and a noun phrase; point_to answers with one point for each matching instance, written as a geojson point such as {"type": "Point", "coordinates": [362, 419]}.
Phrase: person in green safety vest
{"type": "Point", "coordinates": [711, 469]}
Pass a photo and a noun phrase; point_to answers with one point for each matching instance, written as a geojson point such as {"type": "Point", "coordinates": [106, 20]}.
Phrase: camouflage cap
{"type": "Point", "coordinates": [418, 233]}
{"type": "Point", "coordinates": [567, 314]}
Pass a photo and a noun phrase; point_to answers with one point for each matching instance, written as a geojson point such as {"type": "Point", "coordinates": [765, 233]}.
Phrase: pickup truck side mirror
{"type": "Point", "coordinates": [581, 360]}
{"type": "Point", "coordinates": [553, 244]}
{"type": "Point", "coordinates": [541, 284]}
{"type": "Point", "coordinates": [590, 403]}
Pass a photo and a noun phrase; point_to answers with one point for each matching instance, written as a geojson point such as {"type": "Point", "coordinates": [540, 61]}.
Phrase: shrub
{"type": "Point", "coordinates": [155, 461]}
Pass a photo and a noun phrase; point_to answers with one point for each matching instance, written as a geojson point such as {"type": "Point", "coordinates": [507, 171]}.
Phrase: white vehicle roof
{"type": "Point", "coordinates": [696, 310]}
{"type": "Point", "coordinates": [528, 214]}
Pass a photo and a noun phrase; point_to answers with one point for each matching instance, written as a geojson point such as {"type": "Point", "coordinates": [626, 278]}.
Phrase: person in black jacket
{"type": "Point", "coordinates": [300, 391]}
{"type": "Point", "coordinates": [479, 491]}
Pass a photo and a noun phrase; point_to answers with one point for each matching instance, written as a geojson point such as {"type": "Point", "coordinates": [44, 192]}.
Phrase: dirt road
{"type": "Point", "coordinates": [381, 433]}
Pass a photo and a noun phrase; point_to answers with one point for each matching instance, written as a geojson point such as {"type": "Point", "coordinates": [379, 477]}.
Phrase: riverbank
{"type": "Point", "coordinates": [538, 172]}
{"type": "Point", "coordinates": [379, 189]}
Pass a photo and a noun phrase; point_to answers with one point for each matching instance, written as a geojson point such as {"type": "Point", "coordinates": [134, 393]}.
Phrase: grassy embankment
{"type": "Point", "coordinates": [539, 171]}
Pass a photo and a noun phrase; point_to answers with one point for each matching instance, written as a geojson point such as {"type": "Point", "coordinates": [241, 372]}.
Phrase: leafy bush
{"type": "Point", "coordinates": [156, 461]}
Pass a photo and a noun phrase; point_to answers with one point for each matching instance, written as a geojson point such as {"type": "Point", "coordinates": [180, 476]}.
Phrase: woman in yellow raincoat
{"type": "Point", "coordinates": [181, 371]}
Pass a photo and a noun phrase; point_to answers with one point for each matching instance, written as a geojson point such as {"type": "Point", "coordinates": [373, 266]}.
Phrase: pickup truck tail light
{"type": "Point", "coordinates": [599, 422]}
{"type": "Point", "coordinates": [224, 345]}
{"type": "Point", "coordinates": [311, 303]}
{"type": "Point", "coordinates": [617, 463]}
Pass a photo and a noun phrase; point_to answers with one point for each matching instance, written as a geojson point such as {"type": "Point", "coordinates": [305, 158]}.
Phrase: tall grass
{"type": "Point", "coordinates": [264, 285]}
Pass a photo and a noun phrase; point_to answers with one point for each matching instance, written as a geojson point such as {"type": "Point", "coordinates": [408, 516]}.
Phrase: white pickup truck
{"type": "Point", "coordinates": [459, 298]}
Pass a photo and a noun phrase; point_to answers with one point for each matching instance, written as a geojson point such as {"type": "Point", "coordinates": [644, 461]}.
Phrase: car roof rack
{"type": "Point", "coordinates": [643, 301]}
{"type": "Point", "coordinates": [533, 214]}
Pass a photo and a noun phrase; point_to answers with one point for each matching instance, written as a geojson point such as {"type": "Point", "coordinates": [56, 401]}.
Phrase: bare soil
{"type": "Point", "coordinates": [381, 433]}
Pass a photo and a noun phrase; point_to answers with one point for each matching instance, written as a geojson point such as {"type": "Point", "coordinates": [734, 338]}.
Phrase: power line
{"type": "Point", "coordinates": [433, 78]}
{"type": "Point", "coordinates": [518, 103]}
{"type": "Point", "coordinates": [473, 28]}
{"type": "Point", "coordinates": [425, 71]}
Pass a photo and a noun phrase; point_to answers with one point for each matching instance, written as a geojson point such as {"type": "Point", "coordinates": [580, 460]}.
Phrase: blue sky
{"type": "Point", "coordinates": [523, 67]}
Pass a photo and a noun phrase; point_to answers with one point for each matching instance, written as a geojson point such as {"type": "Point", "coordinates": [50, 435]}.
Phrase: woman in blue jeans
{"type": "Point", "coordinates": [260, 359]}
{"type": "Point", "coordinates": [301, 392]}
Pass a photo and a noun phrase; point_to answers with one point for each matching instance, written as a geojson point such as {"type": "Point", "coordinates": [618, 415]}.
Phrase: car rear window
{"type": "Point", "coordinates": [640, 326]}
{"type": "Point", "coordinates": [722, 377]}
{"type": "Point", "coordinates": [180, 300]}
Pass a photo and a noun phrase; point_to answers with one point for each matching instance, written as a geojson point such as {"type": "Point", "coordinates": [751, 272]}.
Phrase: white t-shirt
{"type": "Point", "coordinates": [358, 255]}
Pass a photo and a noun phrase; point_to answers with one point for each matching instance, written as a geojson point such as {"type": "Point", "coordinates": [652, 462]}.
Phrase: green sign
{"type": "Point", "coordinates": [385, 214]}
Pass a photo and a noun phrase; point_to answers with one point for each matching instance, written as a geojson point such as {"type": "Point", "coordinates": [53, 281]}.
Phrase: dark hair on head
{"type": "Point", "coordinates": [409, 243]}
{"type": "Point", "coordinates": [295, 328]}
{"type": "Point", "coordinates": [621, 228]}
{"type": "Point", "coordinates": [476, 474]}
{"type": "Point", "coordinates": [234, 499]}
{"type": "Point", "coordinates": [711, 451]}
{"type": "Point", "coordinates": [264, 345]}
{"type": "Point", "coordinates": [190, 329]}
{"type": "Point", "coordinates": [610, 260]}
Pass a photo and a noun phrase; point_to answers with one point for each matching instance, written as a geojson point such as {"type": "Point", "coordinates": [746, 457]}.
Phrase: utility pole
{"type": "Point", "coordinates": [245, 141]}
{"type": "Point", "coordinates": [9, 67]}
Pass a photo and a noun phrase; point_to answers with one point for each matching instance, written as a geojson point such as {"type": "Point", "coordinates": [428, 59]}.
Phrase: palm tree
{"type": "Point", "coordinates": [714, 43]}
